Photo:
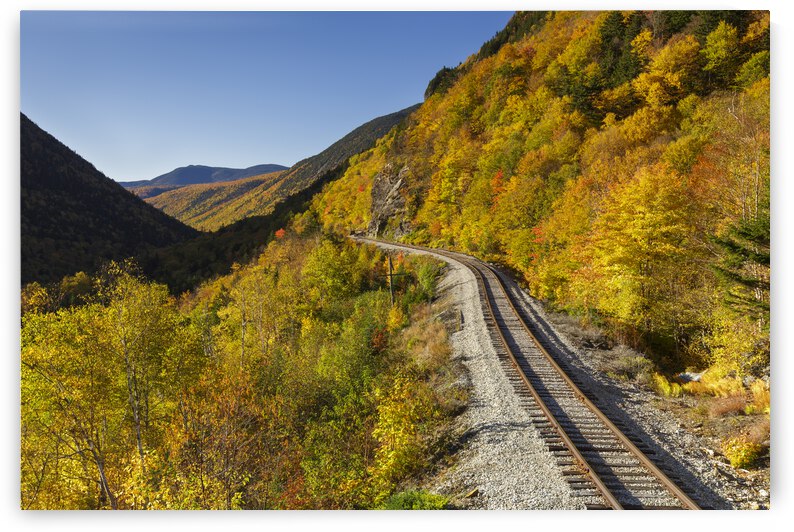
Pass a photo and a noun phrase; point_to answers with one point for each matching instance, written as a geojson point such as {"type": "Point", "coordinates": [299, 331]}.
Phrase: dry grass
{"type": "Point", "coordinates": [426, 340]}
{"type": "Point", "coordinates": [584, 334]}
{"type": "Point", "coordinates": [759, 432]}
{"type": "Point", "coordinates": [723, 406]}
{"type": "Point", "coordinates": [627, 365]}
{"type": "Point", "coordinates": [722, 386]}
{"type": "Point", "coordinates": [760, 398]}
{"type": "Point", "coordinates": [729, 388]}
{"type": "Point", "coordinates": [425, 343]}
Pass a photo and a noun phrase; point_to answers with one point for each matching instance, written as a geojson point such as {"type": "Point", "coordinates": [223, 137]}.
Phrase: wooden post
{"type": "Point", "coordinates": [391, 288]}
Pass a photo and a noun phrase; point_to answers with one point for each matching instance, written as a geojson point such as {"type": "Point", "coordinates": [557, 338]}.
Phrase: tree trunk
{"type": "Point", "coordinates": [134, 400]}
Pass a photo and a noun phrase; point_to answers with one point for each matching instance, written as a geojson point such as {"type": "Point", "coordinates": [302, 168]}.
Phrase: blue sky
{"type": "Point", "coordinates": [140, 93]}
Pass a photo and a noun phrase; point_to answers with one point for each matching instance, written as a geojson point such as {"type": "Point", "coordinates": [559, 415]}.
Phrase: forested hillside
{"type": "Point", "coordinates": [74, 218]}
{"type": "Point", "coordinates": [618, 161]}
{"type": "Point", "coordinates": [208, 207]}
{"type": "Point", "coordinates": [185, 265]}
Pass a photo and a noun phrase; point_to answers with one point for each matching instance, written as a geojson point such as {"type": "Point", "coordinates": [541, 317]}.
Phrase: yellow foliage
{"type": "Point", "coordinates": [402, 408]}
{"type": "Point", "coordinates": [584, 39]}
{"type": "Point", "coordinates": [737, 344]}
{"type": "Point", "coordinates": [665, 387]}
{"type": "Point", "coordinates": [397, 319]}
{"type": "Point", "coordinates": [345, 203]}
{"type": "Point", "coordinates": [35, 298]}
{"type": "Point", "coordinates": [741, 452]}
{"type": "Point", "coordinates": [671, 73]}
{"type": "Point", "coordinates": [646, 123]}
{"type": "Point", "coordinates": [760, 398]}
{"type": "Point", "coordinates": [757, 30]}
{"type": "Point", "coordinates": [640, 45]}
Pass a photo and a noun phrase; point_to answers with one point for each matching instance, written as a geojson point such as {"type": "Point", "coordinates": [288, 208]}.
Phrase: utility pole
{"type": "Point", "coordinates": [391, 286]}
{"type": "Point", "coordinates": [391, 275]}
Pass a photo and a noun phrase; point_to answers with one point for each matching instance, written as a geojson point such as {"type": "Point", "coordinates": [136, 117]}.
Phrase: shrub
{"type": "Point", "coordinates": [741, 451]}
{"type": "Point", "coordinates": [397, 319]}
{"type": "Point", "coordinates": [415, 500]}
{"type": "Point", "coordinates": [662, 386]}
{"type": "Point", "coordinates": [630, 367]}
{"type": "Point", "coordinates": [403, 408]}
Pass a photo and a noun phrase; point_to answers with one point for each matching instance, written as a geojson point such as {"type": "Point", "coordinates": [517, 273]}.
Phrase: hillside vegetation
{"type": "Point", "coordinates": [74, 218]}
{"type": "Point", "coordinates": [185, 265]}
{"type": "Point", "coordinates": [149, 191]}
{"type": "Point", "coordinates": [618, 161]}
{"type": "Point", "coordinates": [207, 207]}
{"type": "Point", "coordinates": [287, 383]}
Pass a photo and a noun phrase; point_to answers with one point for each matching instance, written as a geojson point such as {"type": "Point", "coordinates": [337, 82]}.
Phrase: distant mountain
{"type": "Point", "coordinates": [74, 217]}
{"type": "Point", "coordinates": [212, 207]}
{"type": "Point", "coordinates": [196, 174]}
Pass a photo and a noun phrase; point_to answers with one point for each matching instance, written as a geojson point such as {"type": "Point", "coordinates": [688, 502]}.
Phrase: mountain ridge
{"type": "Point", "coordinates": [194, 174]}
{"type": "Point", "coordinates": [74, 218]}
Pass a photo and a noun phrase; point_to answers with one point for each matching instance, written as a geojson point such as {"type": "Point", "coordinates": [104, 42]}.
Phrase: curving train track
{"type": "Point", "coordinates": [603, 465]}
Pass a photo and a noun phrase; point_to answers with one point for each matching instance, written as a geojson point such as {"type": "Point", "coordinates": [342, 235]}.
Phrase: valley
{"type": "Point", "coordinates": [329, 335]}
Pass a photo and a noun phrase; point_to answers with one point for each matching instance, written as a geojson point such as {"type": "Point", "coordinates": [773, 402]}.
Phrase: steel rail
{"type": "Point", "coordinates": [584, 465]}
{"type": "Point", "coordinates": [671, 486]}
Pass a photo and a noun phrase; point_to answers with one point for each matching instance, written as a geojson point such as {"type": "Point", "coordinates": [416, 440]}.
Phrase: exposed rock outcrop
{"type": "Point", "coordinates": [388, 203]}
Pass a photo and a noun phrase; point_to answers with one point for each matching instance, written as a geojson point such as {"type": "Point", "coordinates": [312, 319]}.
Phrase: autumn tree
{"type": "Point", "coordinates": [73, 412]}
{"type": "Point", "coordinates": [647, 252]}
{"type": "Point", "coordinates": [720, 53]}
{"type": "Point", "coordinates": [100, 380]}
{"type": "Point", "coordinates": [141, 334]}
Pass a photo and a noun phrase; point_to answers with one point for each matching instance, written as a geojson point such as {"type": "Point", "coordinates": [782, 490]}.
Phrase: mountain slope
{"type": "Point", "coordinates": [617, 160]}
{"type": "Point", "coordinates": [196, 174]}
{"type": "Point", "coordinates": [74, 217]}
{"type": "Point", "coordinates": [208, 206]}
{"type": "Point", "coordinates": [212, 207]}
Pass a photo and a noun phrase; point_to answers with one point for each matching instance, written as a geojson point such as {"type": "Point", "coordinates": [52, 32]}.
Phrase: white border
{"type": "Point", "coordinates": [782, 91]}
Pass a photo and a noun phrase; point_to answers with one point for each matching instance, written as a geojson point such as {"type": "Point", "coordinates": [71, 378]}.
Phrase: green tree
{"type": "Point", "coordinates": [754, 69]}
{"type": "Point", "coordinates": [720, 53]}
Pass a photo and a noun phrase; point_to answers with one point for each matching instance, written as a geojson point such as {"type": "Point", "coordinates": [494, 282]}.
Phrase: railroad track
{"type": "Point", "coordinates": [603, 465]}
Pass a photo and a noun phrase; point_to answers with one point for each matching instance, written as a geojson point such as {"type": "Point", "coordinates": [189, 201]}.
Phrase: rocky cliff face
{"type": "Point", "coordinates": [388, 214]}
